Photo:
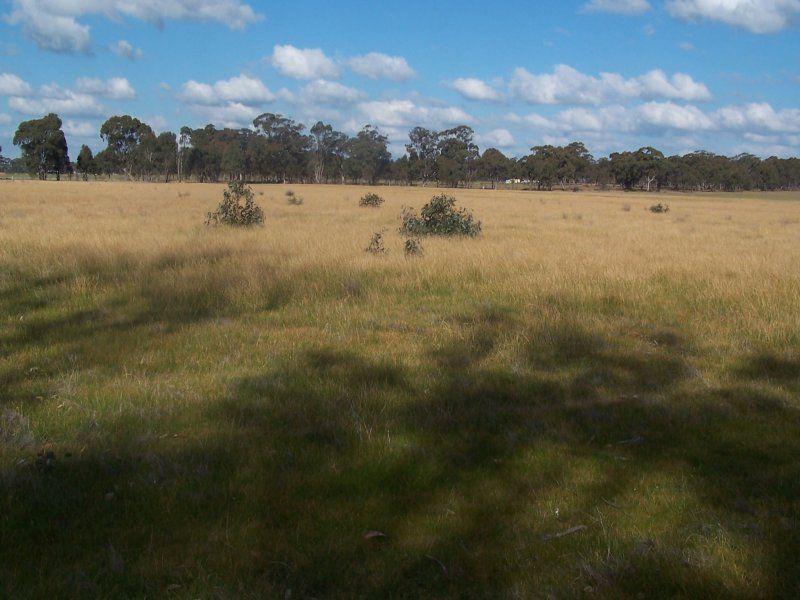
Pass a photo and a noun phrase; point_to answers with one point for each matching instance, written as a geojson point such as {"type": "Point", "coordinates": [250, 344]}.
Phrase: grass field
{"type": "Point", "coordinates": [588, 400]}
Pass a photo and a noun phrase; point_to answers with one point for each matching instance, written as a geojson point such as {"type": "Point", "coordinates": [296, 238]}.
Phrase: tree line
{"type": "Point", "coordinates": [277, 149]}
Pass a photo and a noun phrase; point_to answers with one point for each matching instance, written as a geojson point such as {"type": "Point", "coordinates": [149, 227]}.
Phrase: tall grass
{"type": "Point", "coordinates": [605, 406]}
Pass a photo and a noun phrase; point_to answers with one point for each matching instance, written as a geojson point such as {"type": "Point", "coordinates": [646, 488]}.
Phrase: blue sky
{"type": "Point", "coordinates": [681, 75]}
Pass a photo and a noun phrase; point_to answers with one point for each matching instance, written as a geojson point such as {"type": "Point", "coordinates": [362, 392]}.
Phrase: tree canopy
{"type": "Point", "coordinates": [43, 145]}
{"type": "Point", "coordinates": [279, 149]}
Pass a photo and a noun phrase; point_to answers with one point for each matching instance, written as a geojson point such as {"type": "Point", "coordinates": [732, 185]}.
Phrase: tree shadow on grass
{"type": "Point", "coordinates": [460, 465]}
{"type": "Point", "coordinates": [48, 332]}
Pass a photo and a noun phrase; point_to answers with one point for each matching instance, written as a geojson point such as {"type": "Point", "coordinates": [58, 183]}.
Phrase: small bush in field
{"type": "Point", "coordinates": [412, 247]}
{"type": "Point", "coordinates": [376, 244]}
{"type": "Point", "coordinates": [238, 208]}
{"type": "Point", "coordinates": [659, 208]}
{"type": "Point", "coordinates": [440, 217]}
{"type": "Point", "coordinates": [292, 199]}
{"type": "Point", "coordinates": [371, 199]}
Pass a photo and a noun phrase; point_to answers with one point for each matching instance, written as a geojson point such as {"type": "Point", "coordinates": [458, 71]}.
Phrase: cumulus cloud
{"type": "Point", "coordinates": [233, 102]}
{"type": "Point", "coordinates": [116, 88]}
{"type": "Point", "coordinates": [55, 99]}
{"type": "Point", "coordinates": [12, 85]}
{"type": "Point", "coordinates": [759, 116]}
{"type": "Point", "coordinates": [475, 89]}
{"type": "Point", "coordinates": [381, 66]}
{"type": "Point", "coordinates": [322, 91]}
{"type": "Point", "coordinates": [566, 85]}
{"type": "Point", "coordinates": [230, 114]}
{"type": "Point", "coordinates": [620, 7]}
{"type": "Point", "coordinates": [81, 129]}
{"type": "Point", "coordinates": [241, 89]}
{"type": "Point", "coordinates": [757, 16]}
{"type": "Point", "coordinates": [54, 24]}
{"type": "Point", "coordinates": [124, 49]}
{"type": "Point", "coordinates": [303, 63]}
{"type": "Point", "coordinates": [656, 117]}
{"type": "Point", "coordinates": [406, 113]}
{"type": "Point", "coordinates": [81, 100]}
{"type": "Point", "coordinates": [498, 138]}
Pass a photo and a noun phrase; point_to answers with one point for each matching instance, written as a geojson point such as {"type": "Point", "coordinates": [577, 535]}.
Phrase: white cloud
{"type": "Point", "coordinates": [64, 102]}
{"type": "Point", "coordinates": [620, 7]}
{"type": "Point", "coordinates": [116, 88]}
{"type": "Point", "coordinates": [5, 119]}
{"type": "Point", "coordinates": [12, 85]}
{"type": "Point", "coordinates": [303, 63]}
{"type": "Point", "coordinates": [233, 102]}
{"type": "Point", "coordinates": [760, 116]}
{"type": "Point", "coordinates": [381, 66]}
{"type": "Point", "coordinates": [757, 16]}
{"type": "Point", "coordinates": [659, 117]}
{"type": "Point", "coordinates": [566, 85]}
{"type": "Point", "coordinates": [498, 138]}
{"type": "Point", "coordinates": [82, 129]}
{"type": "Point", "coordinates": [78, 101]}
{"type": "Point", "coordinates": [124, 49]}
{"type": "Point", "coordinates": [475, 89]}
{"type": "Point", "coordinates": [53, 24]}
{"type": "Point", "coordinates": [231, 114]}
{"type": "Point", "coordinates": [667, 115]}
{"type": "Point", "coordinates": [157, 122]}
{"type": "Point", "coordinates": [405, 113]}
{"type": "Point", "coordinates": [241, 89]}
{"type": "Point", "coordinates": [322, 91]}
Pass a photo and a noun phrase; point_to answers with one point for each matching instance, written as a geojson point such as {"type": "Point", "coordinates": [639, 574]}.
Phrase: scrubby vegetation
{"type": "Point", "coordinates": [659, 208]}
{"type": "Point", "coordinates": [238, 208]}
{"type": "Point", "coordinates": [293, 198]}
{"type": "Point", "coordinates": [440, 217]}
{"type": "Point", "coordinates": [372, 200]}
{"type": "Point", "coordinates": [412, 247]}
{"type": "Point", "coordinates": [376, 245]}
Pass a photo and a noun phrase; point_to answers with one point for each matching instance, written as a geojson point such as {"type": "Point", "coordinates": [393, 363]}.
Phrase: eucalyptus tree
{"type": "Point", "coordinates": [328, 152]}
{"type": "Point", "coordinates": [86, 164]}
{"type": "Point", "coordinates": [494, 166]}
{"type": "Point", "coordinates": [422, 149]}
{"type": "Point", "coordinates": [369, 158]}
{"type": "Point", "coordinates": [43, 145]}
{"type": "Point", "coordinates": [130, 144]}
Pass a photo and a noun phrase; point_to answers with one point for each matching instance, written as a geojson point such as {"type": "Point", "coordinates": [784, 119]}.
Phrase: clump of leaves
{"type": "Point", "coordinates": [659, 208]}
{"type": "Point", "coordinates": [371, 199]}
{"type": "Point", "coordinates": [292, 199]}
{"type": "Point", "coordinates": [412, 247]}
{"type": "Point", "coordinates": [376, 244]}
{"type": "Point", "coordinates": [440, 217]}
{"type": "Point", "coordinates": [238, 208]}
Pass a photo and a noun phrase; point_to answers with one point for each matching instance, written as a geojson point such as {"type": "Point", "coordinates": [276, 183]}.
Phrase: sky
{"type": "Point", "coordinates": [679, 75]}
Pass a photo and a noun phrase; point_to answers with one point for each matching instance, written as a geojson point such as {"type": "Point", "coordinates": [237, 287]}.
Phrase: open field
{"type": "Point", "coordinates": [587, 400]}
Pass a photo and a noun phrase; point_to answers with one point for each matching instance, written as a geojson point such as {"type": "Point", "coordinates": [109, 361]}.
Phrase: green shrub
{"type": "Point", "coordinates": [440, 217]}
{"type": "Point", "coordinates": [292, 199]}
{"type": "Point", "coordinates": [659, 208]}
{"type": "Point", "coordinates": [412, 247]}
{"type": "Point", "coordinates": [371, 199]}
{"type": "Point", "coordinates": [238, 208]}
{"type": "Point", "coordinates": [376, 244]}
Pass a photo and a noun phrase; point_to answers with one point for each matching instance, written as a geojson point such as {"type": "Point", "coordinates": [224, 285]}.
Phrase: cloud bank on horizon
{"type": "Point", "coordinates": [681, 75]}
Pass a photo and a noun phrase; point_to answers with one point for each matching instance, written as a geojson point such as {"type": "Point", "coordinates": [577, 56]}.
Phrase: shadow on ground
{"type": "Point", "coordinates": [588, 466]}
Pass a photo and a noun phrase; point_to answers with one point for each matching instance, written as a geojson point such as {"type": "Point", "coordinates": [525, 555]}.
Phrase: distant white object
{"type": "Point", "coordinates": [513, 181]}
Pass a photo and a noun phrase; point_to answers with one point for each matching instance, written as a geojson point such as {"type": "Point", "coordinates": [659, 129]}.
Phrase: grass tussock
{"type": "Point", "coordinates": [604, 407]}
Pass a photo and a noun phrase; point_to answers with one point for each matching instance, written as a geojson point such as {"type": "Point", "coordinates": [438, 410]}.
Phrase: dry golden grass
{"type": "Point", "coordinates": [254, 400]}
